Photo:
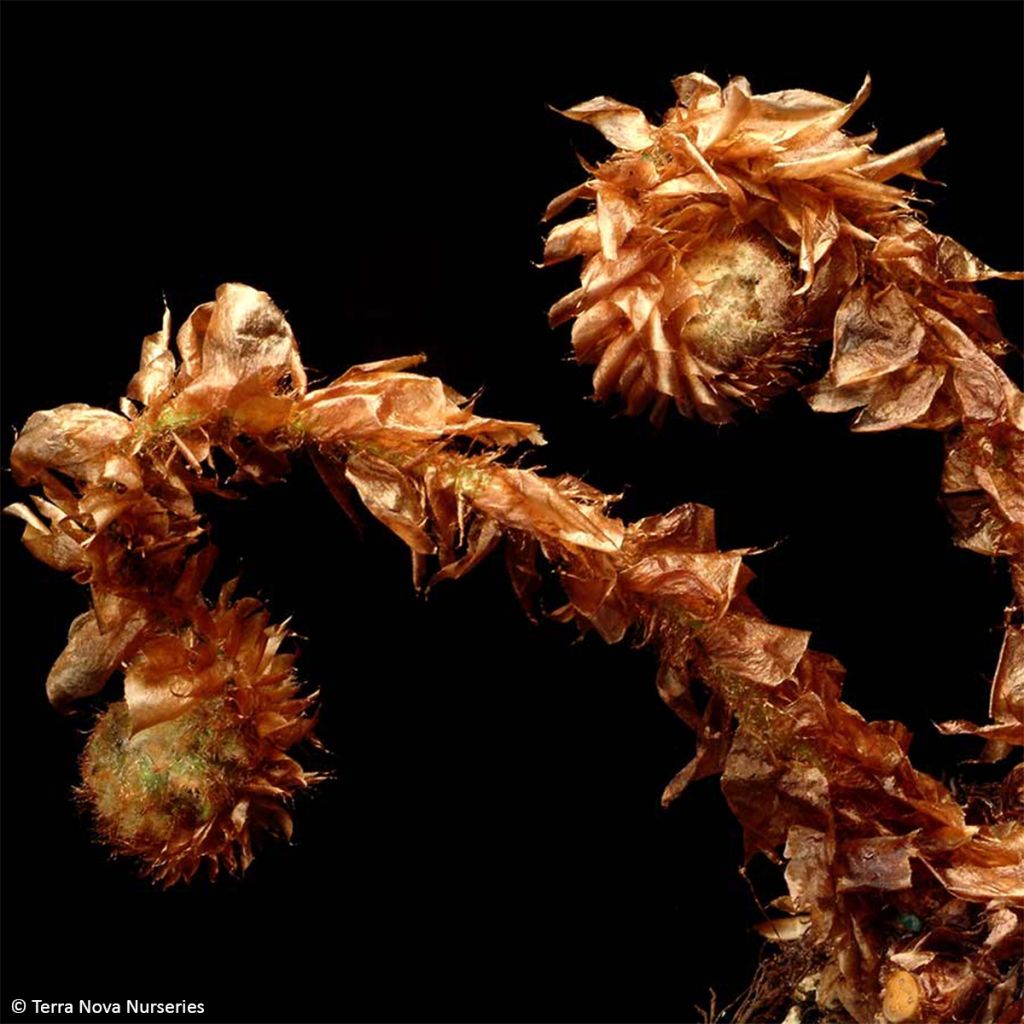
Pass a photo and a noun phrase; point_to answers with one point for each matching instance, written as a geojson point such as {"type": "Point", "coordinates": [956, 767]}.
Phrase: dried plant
{"type": "Point", "coordinates": [200, 753]}
{"type": "Point", "coordinates": [194, 763]}
{"type": "Point", "coordinates": [726, 248]}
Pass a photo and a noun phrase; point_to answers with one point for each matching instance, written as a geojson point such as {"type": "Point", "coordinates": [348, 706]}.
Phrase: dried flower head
{"type": "Point", "coordinates": [194, 763]}
{"type": "Point", "coordinates": [743, 232]}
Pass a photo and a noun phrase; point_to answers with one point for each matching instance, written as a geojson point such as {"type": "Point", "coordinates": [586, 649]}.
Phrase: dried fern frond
{"type": "Point", "coordinates": [864, 835]}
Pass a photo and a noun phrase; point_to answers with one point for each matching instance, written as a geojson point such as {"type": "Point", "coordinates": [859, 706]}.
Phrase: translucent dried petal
{"type": "Point", "coordinates": [74, 439]}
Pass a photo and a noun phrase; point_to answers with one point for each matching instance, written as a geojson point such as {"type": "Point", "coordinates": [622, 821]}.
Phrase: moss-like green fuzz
{"type": "Point", "coordinates": [173, 776]}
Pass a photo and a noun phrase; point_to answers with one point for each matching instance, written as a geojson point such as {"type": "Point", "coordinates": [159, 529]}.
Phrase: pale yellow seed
{"type": "Point", "coordinates": [901, 998]}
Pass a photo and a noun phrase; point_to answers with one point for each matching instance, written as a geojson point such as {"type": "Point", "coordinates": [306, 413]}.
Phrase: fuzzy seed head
{"type": "Point", "coordinates": [177, 775]}
{"type": "Point", "coordinates": [744, 300]}
{"type": "Point", "coordinates": [196, 762]}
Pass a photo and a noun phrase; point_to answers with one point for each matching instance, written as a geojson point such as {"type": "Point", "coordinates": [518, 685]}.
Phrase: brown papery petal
{"type": "Point", "coordinates": [74, 439]}
{"type": "Point", "coordinates": [91, 656]}
{"type": "Point", "coordinates": [622, 125]}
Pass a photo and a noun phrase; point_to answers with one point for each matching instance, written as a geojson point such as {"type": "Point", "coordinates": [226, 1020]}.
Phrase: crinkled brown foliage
{"type": "Point", "coordinates": [118, 513]}
{"type": "Point", "coordinates": [863, 834]}
{"type": "Point", "coordinates": [725, 247]}
{"type": "Point", "coordinates": [745, 230]}
{"type": "Point", "coordinates": [730, 243]}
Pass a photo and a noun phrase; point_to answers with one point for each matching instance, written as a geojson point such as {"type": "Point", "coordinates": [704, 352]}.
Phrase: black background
{"type": "Point", "coordinates": [492, 846]}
